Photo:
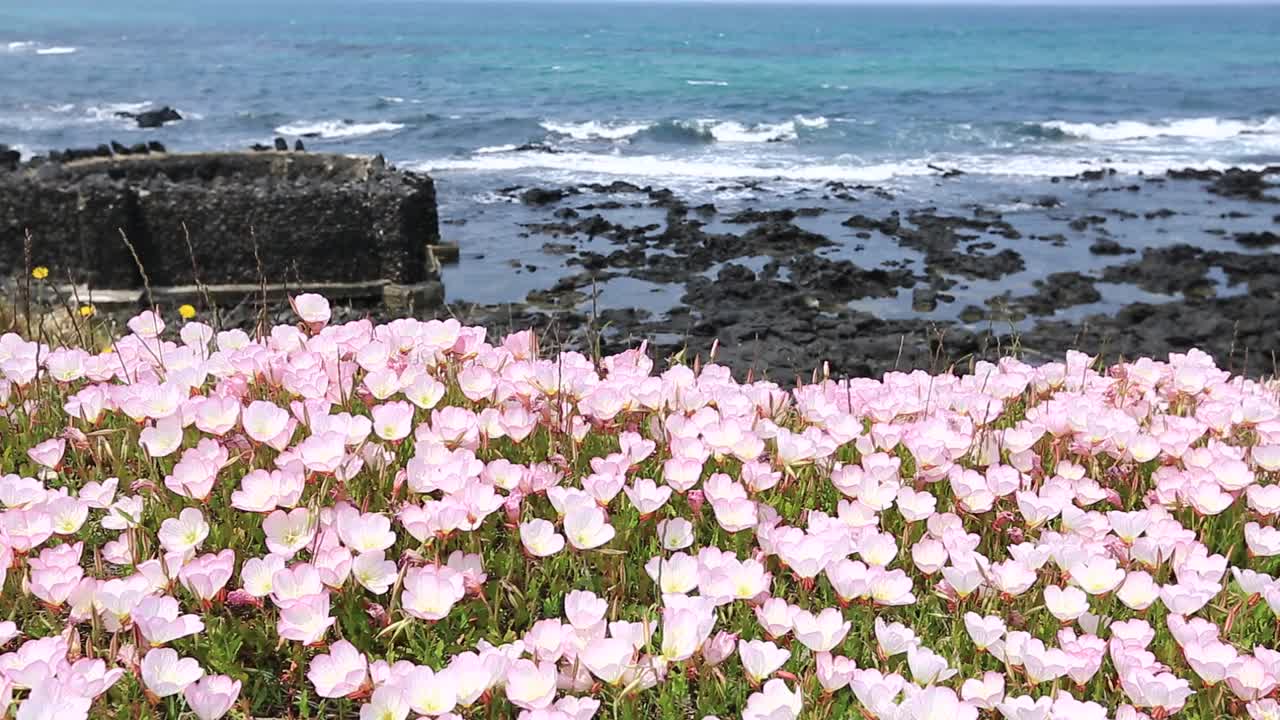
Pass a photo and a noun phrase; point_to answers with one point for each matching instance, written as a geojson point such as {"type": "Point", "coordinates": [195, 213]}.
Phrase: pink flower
{"type": "Point", "coordinates": [263, 421]}
{"type": "Point", "coordinates": [212, 696]}
{"type": "Point", "coordinates": [53, 700]}
{"type": "Point", "coordinates": [157, 619]}
{"type": "Point", "coordinates": [165, 674]}
{"type": "Point", "coordinates": [430, 593]}
{"type": "Point", "coordinates": [761, 658]}
{"type": "Point", "coordinates": [48, 453]}
{"type": "Point", "coordinates": [287, 533]}
{"type": "Point", "coordinates": [530, 685]}
{"type": "Point", "coordinates": [185, 532]}
{"type": "Point", "coordinates": [341, 672]}
{"type": "Point", "coordinates": [392, 421]}
{"type": "Point", "coordinates": [306, 619]}
{"type": "Point", "coordinates": [312, 308]}
{"type": "Point", "coordinates": [207, 575]}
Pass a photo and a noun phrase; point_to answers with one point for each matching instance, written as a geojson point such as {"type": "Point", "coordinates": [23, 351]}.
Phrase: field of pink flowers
{"type": "Point", "coordinates": [414, 520]}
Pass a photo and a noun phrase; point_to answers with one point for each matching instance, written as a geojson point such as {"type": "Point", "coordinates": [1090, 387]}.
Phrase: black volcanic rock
{"type": "Point", "coordinates": [152, 118]}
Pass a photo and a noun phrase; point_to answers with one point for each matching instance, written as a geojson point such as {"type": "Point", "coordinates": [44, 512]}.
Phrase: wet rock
{"type": "Point", "coordinates": [9, 158]}
{"type": "Point", "coordinates": [1107, 246]}
{"type": "Point", "coordinates": [1081, 224]}
{"type": "Point", "coordinates": [924, 299]}
{"type": "Point", "coordinates": [1262, 239]}
{"type": "Point", "coordinates": [1059, 290]}
{"type": "Point", "coordinates": [1246, 184]}
{"type": "Point", "coordinates": [1177, 269]}
{"type": "Point", "coordinates": [281, 144]}
{"type": "Point", "coordinates": [785, 215]}
{"type": "Point", "coordinates": [298, 146]}
{"type": "Point", "coordinates": [782, 237]}
{"type": "Point", "coordinates": [1159, 214]}
{"type": "Point", "coordinates": [542, 196]}
{"type": "Point", "coordinates": [152, 118]}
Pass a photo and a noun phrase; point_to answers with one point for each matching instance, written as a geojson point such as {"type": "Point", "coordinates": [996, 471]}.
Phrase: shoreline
{"type": "Point", "coordinates": [869, 281]}
{"type": "Point", "coordinates": [866, 280]}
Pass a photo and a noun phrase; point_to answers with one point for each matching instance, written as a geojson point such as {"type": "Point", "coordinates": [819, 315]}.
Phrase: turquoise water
{"type": "Point", "coordinates": [683, 93]}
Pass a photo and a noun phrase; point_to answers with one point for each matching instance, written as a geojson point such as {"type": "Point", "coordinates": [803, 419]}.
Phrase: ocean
{"type": "Point", "coordinates": [692, 97]}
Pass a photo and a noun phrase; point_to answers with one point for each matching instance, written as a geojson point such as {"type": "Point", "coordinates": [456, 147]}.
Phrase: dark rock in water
{"type": "Point", "coordinates": [786, 215]}
{"type": "Point", "coordinates": [1262, 239]}
{"type": "Point", "coordinates": [139, 149]}
{"type": "Point", "coordinates": [946, 172]}
{"type": "Point", "coordinates": [1080, 223]}
{"type": "Point", "coordinates": [617, 186]}
{"type": "Point", "coordinates": [566, 213]}
{"type": "Point", "coordinates": [536, 147]}
{"type": "Point", "coordinates": [152, 118]}
{"type": "Point", "coordinates": [1246, 184]}
{"type": "Point", "coordinates": [1161, 213]}
{"type": "Point", "coordinates": [1172, 270]}
{"type": "Point", "coordinates": [298, 146]}
{"type": "Point", "coordinates": [1194, 174]}
{"type": "Point", "coordinates": [924, 299]}
{"type": "Point", "coordinates": [1107, 246]}
{"type": "Point", "coordinates": [119, 149]}
{"type": "Point", "coordinates": [542, 196]}
{"type": "Point", "coordinates": [1059, 290]}
{"type": "Point", "coordinates": [259, 147]}
{"type": "Point", "coordinates": [155, 147]}
{"type": "Point", "coordinates": [782, 238]}
{"type": "Point", "coordinates": [9, 158]}
{"type": "Point", "coordinates": [281, 144]}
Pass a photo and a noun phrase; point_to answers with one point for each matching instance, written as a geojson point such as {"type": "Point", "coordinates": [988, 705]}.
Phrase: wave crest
{"type": "Point", "coordinates": [1205, 128]}
{"type": "Point", "coordinates": [337, 129]}
{"type": "Point", "coordinates": [686, 131]}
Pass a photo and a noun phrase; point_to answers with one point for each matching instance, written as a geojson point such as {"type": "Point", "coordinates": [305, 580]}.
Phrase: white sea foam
{"type": "Point", "coordinates": [18, 46]}
{"type": "Point", "coordinates": [731, 131]}
{"type": "Point", "coordinates": [391, 99]}
{"type": "Point", "coordinates": [815, 122]}
{"type": "Point", "coordinates": [337, 129]}
{"type": "Point", "coordinates": [57, 50]}
{"type": "Point", "coordinates": [491, 149]}
{"type": "Point", "coordinates": [64, 108]}
{"type": "Point", "coordinates": [716, 83]}
{"type": "Point", "coordinates": [844, 168]}
{"type": "Point", "coordinates": [593, 130]}
{"type": "Point", "coordinates": [1205, 128]}
{"type": "Point", "coordinates": [658, 166]}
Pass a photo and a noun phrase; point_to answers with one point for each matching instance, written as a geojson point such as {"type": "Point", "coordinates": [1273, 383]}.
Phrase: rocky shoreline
{"type": "Point", "coordinates": [865, 281]}
{"type": "Point", "coordinates": [778, 298]}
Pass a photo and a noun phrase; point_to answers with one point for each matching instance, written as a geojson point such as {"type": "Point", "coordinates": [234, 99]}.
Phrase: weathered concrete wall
{"type": "Point", "coordinates": [316, 218]}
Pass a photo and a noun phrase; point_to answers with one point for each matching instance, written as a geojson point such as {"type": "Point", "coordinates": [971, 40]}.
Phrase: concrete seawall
{"type": "Point", "coordinates": [345, 225]}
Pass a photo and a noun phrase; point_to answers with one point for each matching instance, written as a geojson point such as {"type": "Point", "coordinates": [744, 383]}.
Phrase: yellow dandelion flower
{"type": "Point", "coordinates": [187, 312]}
{"type": "Point", "coordinates": [39, 272]}
{"type": "Point", "coordinates": [87, 311]}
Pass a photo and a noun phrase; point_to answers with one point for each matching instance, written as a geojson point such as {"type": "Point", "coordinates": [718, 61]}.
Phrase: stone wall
{"type": "Point", "coordinates": [316, 219]}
